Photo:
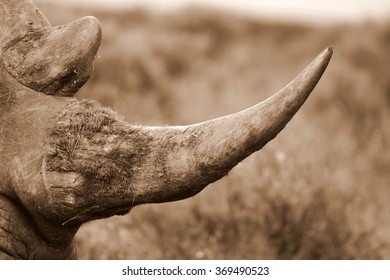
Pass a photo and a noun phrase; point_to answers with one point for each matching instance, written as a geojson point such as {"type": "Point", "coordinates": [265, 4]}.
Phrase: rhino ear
{"type": "Point", "coordinates": [17, 18]}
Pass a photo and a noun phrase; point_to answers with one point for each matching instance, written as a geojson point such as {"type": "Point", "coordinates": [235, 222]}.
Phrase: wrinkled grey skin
{"type": "Point", "coordinates": [64, 162]}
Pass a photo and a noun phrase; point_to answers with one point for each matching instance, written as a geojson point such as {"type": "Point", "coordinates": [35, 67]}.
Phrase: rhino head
{"type": "Point", "coordinates": [65, 162]}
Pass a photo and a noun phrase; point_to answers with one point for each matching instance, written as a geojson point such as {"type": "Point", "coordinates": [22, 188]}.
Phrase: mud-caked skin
{"type": "Point", "coordinates": [64, 162]}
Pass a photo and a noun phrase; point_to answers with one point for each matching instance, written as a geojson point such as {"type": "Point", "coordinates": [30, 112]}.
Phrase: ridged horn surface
{"type": "Point", "coordinates": [208, 150]}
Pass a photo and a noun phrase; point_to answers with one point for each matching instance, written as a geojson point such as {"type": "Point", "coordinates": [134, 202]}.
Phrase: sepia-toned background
{"type": "Point", "coordinates": [320, 190]}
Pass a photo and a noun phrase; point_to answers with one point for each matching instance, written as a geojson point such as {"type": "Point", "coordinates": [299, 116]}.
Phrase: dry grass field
{"type": "Point", "coordinates": [320, 190]}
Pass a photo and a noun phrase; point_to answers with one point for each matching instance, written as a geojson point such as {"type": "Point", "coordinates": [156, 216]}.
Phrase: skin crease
{"type": "Point", "coordinates": [65, 162]}
{"type": "Point", "coordinates": [20, 193]}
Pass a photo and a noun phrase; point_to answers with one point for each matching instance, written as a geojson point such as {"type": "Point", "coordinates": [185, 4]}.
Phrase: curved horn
{"type": "Point", "coordinates": [93, 154]}
{"type": "Point", "coordinates": [205, 152]}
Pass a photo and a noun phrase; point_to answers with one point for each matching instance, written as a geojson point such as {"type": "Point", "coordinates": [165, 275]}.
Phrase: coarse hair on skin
{"type": "Point", "coordinates": [86, 127]}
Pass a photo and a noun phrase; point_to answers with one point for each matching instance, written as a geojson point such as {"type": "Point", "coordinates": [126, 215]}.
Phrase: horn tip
{"type": "Point", "coordinates": [327, 53]}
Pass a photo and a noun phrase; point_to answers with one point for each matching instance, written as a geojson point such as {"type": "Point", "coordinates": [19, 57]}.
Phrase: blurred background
{"type": "Point", "coordinates": [320, 190]}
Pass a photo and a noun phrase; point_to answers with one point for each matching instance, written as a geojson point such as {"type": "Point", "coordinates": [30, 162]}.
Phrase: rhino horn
{"type": "Point", "coordinates": [167, 163]}
{"type": "Point", "coordinates": [52, 60]}
{"type": "Point", "coordinates": [207, 151]}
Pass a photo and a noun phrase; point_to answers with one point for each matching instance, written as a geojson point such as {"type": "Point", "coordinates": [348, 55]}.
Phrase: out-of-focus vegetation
{"type": "Point", "coordinates": [320, 190]}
